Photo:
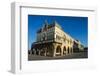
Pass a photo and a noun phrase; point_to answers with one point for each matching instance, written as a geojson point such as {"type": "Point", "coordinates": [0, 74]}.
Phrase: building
{"type": "Point", "coordinates": [53, 41]}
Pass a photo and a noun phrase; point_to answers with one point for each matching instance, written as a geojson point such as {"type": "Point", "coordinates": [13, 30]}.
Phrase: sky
{"type": "Point", "coordinates": [76, 27]}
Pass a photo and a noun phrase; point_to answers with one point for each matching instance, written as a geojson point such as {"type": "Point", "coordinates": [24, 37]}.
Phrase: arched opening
{"type": "Point", "coordinates": [71, 50]}
{"type": "Point", "coordinates": [68, 50]}
{"type": "Point", "coordinates": [64, 50]}
{"type": "Point", "coordinates": [58, 50]}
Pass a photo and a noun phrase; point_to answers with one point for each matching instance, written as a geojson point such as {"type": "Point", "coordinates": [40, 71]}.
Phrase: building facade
{"type": "Point", "coordinates": [53, 41]}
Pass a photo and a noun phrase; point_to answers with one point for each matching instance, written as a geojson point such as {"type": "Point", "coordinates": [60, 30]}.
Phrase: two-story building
{"type": "Point", "coordinates": [51, 40]}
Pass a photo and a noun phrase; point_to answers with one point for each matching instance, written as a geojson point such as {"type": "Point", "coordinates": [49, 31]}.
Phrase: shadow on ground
{"type": "Point", "coordinates": [72, 56]}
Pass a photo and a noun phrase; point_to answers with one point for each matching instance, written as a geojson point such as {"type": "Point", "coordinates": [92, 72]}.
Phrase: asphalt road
{"type": "Point", "coordinates": [72, 56]}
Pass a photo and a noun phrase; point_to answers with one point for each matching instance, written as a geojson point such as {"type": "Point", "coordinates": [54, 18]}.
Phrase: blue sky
{"type": "Point", "coordinates": [76, 27]}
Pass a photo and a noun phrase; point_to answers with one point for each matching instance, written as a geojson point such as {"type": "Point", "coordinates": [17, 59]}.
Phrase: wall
{"type": "Point", "coordinates": [5, 42]}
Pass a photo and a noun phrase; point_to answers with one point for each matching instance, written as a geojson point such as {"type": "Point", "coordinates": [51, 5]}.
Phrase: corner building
{"type": "Point", "coordinates": [53, 41]}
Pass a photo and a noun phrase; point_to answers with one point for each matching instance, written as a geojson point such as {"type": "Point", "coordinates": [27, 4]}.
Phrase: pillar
{"type": "Point", "coordinates": [67, 51]}
{"type": "Point", "coordinates": [34, 52]}
{"type": "Point", "coordinates": [45, 52]}
{"type": "Point", "coordinates": [72, 50]}
{"type": "Point", "coordinates": [61, 51]}
{"type": "Point", "coordinates": [39, 52]}
{"type": "Point", "coordinates": [54, 50]}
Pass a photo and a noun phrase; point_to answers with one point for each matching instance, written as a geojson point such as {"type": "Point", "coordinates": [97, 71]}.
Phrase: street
{"type": "Point", "coordinates": [72, 56]}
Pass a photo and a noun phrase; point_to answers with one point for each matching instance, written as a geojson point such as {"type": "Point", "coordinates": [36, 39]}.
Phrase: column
{"type": "Point", "coordinates": [39, 52]}
{"type": "Point", "coordinates": [61, 51]}
{"type": "Point", "coordinates": [67, 51]}
{"type": "Point", "coordinates": [72, 50]}
{"type": "Point", "coordinates": [45, 52]}
{"type": "Point", "coordinates": [34, 52]}
{"type": "Point", "coordinates": [54, 50]}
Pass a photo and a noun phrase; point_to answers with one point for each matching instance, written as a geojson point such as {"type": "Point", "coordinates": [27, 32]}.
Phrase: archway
{"type": "Point", "coordinates": [71, 50]}
{"type": "Point", "coordinates": [68, 50]}
{"type": "Point", "coordinates": [64, 50]}
{"type": "Point", "coordinates": [58, 50]}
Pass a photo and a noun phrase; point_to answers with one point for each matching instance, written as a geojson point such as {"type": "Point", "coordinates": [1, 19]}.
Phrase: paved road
{"type": "Point", "coordinates": [72, 56]}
